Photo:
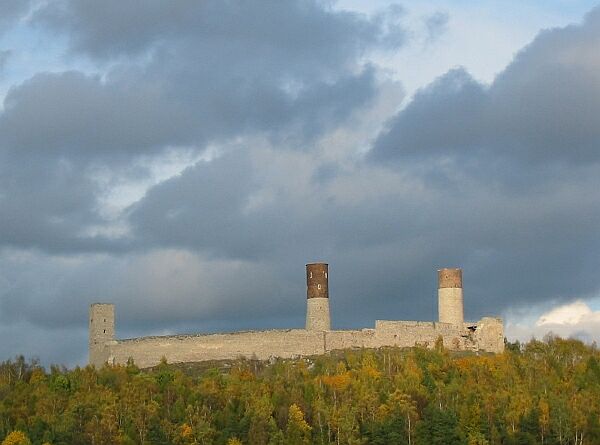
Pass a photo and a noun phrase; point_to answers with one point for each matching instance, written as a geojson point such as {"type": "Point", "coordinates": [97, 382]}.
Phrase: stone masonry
{"type": "Point", "coordinates": [317, 297]}
{"type": "Point", "coordinates": [450, 296]}
{"type": "Point", "coordinates": [486, 335]}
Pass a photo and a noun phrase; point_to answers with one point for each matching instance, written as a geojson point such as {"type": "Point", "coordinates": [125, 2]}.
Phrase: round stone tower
{"type": "Point", "coordinates": [317, 297]}
{"type": "Point", "coordinates": [450, 296]}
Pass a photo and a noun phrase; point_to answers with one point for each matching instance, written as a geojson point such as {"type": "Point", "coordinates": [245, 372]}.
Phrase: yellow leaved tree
{"type": "Point", "coordinates": [16, 438]}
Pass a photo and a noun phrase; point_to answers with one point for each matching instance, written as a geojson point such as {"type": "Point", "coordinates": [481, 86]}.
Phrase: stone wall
{"type": "Point", "coordinates": [148, 351]}
{"type": "Point", "coordinates": [487, 335]}
{"type": "Point", "coordinates": [423, 333]}
{"type": "Point", "coordinates": [364, 338]}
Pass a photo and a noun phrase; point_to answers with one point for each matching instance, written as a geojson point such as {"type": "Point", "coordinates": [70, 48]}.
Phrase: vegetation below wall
{"type": "Point", "coordinates": [541, 392]}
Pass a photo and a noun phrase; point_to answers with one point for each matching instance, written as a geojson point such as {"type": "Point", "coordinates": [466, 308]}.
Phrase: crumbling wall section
{"type": "Point", "coordinates": [422, 333]}
{"type": "Point", "coordinates": [489, 334]}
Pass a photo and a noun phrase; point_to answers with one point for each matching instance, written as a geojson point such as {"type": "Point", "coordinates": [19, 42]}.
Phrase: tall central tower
{"type": "Point", "coordinates": [317, 297]}
{"type": "Point", "coordinates": [450, 296]}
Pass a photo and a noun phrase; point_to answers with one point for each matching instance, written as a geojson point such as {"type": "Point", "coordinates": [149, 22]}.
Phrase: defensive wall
{"type": "Point", "coordinates": [485, 335]}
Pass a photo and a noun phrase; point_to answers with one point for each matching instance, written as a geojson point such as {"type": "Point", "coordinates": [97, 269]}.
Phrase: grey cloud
{"type": "Point", "coordinates": [46, 298]}
{"type": "Point", "coordinates": [151, 290]}
{"type": "Point", "coordinates": [11, 11]}
{"type": "Point", "coordinates": [226, 242]}
{"type": "Point", "coordinates": [81, 117]}
{"type": "Point", "coordinates": [436, 25]}
{"type": "Point", "coordinates": [510, 164]}
{"type": "Point", "coordinates": [446, 118]}
{"type": "Point", "coordinates": [210, 73]}
{"type": "Point", "coordinates": [50, 204]}
{"type": "Point", "coordinates": [309, 30]}
{"type": "Point", "coordinates": [60, 347]}
{"type": "Point", "coordinates": [222, 246]}
{"type": "Point", "coordinates": [362, 218]}
{"type": "Point", "coordinates": [543, 108]}
{"type": "Point", "coordinates": [4, 56]}
{"type": "Point", "coordinates": [87, 119]}
{"type": "Point", "coordinates": [227, 69]}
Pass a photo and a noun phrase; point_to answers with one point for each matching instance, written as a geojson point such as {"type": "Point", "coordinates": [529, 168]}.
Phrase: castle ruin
{"type": "Point", "coordinates": [486, 335]}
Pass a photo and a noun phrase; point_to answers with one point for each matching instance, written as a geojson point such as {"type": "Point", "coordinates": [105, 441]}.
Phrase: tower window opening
{"type": "Point", "coordinates": [319, 286]}
{"type": "Point", "coordinates": [105, 320]}
{"type": "Point", "coordinates": [311, 274]}
{"type": "Point", "coordinates": [325, 274]}
{"type": "Point", "coordinates": [104, 330]}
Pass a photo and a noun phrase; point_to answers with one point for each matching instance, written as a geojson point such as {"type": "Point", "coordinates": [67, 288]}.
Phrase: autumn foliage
{"type": "Point", "coordinates": [537, 393]}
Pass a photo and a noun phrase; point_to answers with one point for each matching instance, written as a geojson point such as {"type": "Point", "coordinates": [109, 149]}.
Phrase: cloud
{"type": "Point", "coordinates": [209, 73]}
{"type": "Point", "coordinates": [4, 56]}
{"type": "Point", "coordinates": [279, 210]}
{"type": "Point", "coordinates": [45, 204]}
{"type": "Point", "coordinates": [84, 119]}
{"type": "Point", "coordinates": [570, 314]}
{"type": "Point", "coordinates": [271, 110]}
{"type": "Point", "coordinates": [220, 70]}
{"type": "Point", "coordinates": [436, 25]}
{"type": "Point", "coordinates": [542, 109]}
{"type": "Point", "coordinates": [11, 10]}
{"type": "Point", "coordinates": [269, 28]}
{"type": "Point", "coordinates": [575, 319]}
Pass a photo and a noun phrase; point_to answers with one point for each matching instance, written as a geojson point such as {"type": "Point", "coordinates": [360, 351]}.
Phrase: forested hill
{"type": "Point", "coordinates": [537, 393]}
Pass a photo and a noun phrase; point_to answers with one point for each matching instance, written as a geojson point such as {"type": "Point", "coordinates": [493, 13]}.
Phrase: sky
{"type": "Point", "coordinates": [184, 160]}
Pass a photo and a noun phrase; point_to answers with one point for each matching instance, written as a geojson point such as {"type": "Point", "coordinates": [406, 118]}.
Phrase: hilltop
{"type": "Point", "coordinates": [539, 392]}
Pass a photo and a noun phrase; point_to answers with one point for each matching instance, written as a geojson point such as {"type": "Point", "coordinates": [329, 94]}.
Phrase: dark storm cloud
{"type": "Point", "coordinates": [298, 34]}
{"type": "Point", "coordinates": [511, 163]}
{"type": "Point", "coordinates": [42, 203]}
{"type": "Point", "coordinates": [386, 235]}
{"type": "Point", "coordinates": [443, 118]}
{"type": "Point", "coordinates": [208, 72]}
{"type": "Point", "coordinates": [231, 68]}
{"type": "Point", "coordinates": [498, 179]}
{"type": "Point", "coordinates": [471, 185]}
{"type": "Point", "coordinates": [83, 118]}
{"type": "Point", "coordinates": [543, 108]}
{"type": "Point", "coordinates": [177, 76]}
{"type": "Point", "coordinates": [86, 119]}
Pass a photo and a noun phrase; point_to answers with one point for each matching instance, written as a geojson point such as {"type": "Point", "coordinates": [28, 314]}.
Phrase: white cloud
{"type": "Point", "coordinates": [568, 315]}
{"type": "Point", "coordinates": [574, 319]}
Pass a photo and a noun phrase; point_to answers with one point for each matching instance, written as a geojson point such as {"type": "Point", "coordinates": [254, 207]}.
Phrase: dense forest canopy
{"type": "Point", "coordinates": [542, 392]}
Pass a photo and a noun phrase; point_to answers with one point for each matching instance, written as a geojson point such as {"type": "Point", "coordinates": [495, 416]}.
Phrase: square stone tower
{"type": "Point", "coordinates": [102, 330]}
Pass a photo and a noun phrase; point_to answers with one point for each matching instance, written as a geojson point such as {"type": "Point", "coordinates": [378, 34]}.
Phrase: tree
{"type": "Point", "coordinates": [544, 418]}
{"type": "Point", "coordinates": [16, 438]}
{"type": "Point", "coordinates": [438, 427]}
{"type": "Point", "coordinates": [298, 430]}
{"type": "Point", "coordinates": [403, 405]}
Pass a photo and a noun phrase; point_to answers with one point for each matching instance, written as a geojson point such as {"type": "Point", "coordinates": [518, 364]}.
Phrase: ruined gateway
{"type": "Point", "coordinates": [486, 335]}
